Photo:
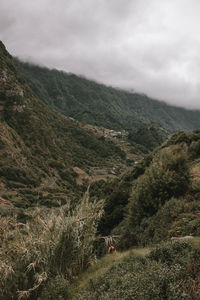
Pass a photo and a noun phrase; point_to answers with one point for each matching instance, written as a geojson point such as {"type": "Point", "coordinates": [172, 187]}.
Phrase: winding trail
{"type": "Point", "coordinates": [5, 192]}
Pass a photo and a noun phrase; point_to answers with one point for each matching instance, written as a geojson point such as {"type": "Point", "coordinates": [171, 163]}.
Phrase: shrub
{"type": "Point", "coordinates": [172, 253]}
{"type": "Point", "coordinates": [167, 176]}
{"type": "Point", "coordinates": [56, 288]}
{"type": "Point", "coordinates": [167, 221]}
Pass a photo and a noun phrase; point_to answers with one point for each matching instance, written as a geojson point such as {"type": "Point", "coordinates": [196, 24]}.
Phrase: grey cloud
{"type": "Point", "coordinates": [150, 46]}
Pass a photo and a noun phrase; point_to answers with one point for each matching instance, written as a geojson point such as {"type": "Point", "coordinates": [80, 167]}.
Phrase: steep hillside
{"type": "Point", "coordinates": [97, 104]}
{"type": "Point", "coordinates": [158, 198]}
{"type": "Point", "coordinates": [50, 251]}
{"type": "Point", "coordinates": [39, 148]}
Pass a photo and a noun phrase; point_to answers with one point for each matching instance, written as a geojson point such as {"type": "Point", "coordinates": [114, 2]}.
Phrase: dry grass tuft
{"type": "Point", "coordinates": [53, 242]}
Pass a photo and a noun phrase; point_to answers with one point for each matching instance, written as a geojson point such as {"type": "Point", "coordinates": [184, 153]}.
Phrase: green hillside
{"type": "Point", "coordinates": [57, 219]}
{"type": "Point", "coordinates": [166, 271]}
{"type": "Point", "coordinates": [158, 198]}
{"type": "Point", "coordinates": [97, 104]}
{"type": "Point", "coordinates": [39, 148]}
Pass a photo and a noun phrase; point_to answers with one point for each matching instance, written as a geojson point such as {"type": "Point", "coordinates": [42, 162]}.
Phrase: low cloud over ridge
{"type": "Point", "coordinates": [149, 46]}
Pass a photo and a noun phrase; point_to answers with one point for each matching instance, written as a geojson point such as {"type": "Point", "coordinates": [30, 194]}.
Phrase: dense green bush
{"type": "Point", "coordinates": [56, 288]}
{"type": "Point", "coordinates": [172, 253]}
{"type": "Point", "coordinates": [134, 280]}
{"type": "Point", "coordinates": [167, 176]}
{"type": "Point", "coordinates": [116, 194]}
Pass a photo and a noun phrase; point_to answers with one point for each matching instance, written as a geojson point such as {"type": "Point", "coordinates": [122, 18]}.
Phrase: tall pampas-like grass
{"type": "Point", "coordinates": [51, 244]}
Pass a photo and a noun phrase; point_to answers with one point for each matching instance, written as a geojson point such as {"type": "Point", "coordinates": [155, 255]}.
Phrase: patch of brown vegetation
{"type": "Point", "coordinates": [81, 175]}
{"type": "Point", "coordinates": [195, 173]}
{"type": "Point", "coordinates": [5, 202]}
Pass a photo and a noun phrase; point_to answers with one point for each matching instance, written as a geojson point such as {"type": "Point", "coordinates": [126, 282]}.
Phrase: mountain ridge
{"type": "Point", "coordinates": [101, 105]}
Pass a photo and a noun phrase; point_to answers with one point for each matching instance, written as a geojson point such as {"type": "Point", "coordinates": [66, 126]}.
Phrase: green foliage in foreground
{"type": "Point", "coordinates": [140, 193]}
{"type": "Point", "coordinates": [39, 257]}
{"type": "Point", "coordinates": [168, 176]}
{"type": "Point", "coordinates": [178, 217]}
{"type": "Point", "coordinates": [171, 271]}
{"type": "Point", "coordinates": [116, 194]}
{"type": "Point", "coordinates": [158, 198]}
{"type": "Point", "coordinates": [165, 199]}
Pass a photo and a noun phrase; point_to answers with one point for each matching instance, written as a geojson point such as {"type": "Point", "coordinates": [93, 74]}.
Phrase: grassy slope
{"type": "Point", "coordinates": [125, 276]}
{"type": "Point", "coordinates": [161, 272]}
{"type": "Point", "coordinates": [100, 105]}
{"type": "Point", "coordinates": [101, 266]}
{"type": "Point", "coordinates": [170, 271]}
{"type": "Point", "coordinates": [38, 144]}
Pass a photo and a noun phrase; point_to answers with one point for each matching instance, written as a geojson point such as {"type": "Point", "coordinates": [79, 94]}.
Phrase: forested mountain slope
{"type": "Point", "coordinates": [97, 104]}
{"type": "Point", "coordinates": [39, 147]}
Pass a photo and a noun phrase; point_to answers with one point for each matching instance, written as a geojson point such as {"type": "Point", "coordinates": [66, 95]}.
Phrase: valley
{"type": "Point", "coordinates": [84, 166]}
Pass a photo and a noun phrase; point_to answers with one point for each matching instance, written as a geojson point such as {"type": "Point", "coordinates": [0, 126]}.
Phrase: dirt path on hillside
{"type": "Point", "coordinates": [51, 181]}
{"type": "Point", "coordinates": [3, 192]}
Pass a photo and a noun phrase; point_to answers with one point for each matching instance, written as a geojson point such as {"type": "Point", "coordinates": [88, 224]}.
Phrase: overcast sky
{"type": "Point", "coordinates": [150, 46]}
